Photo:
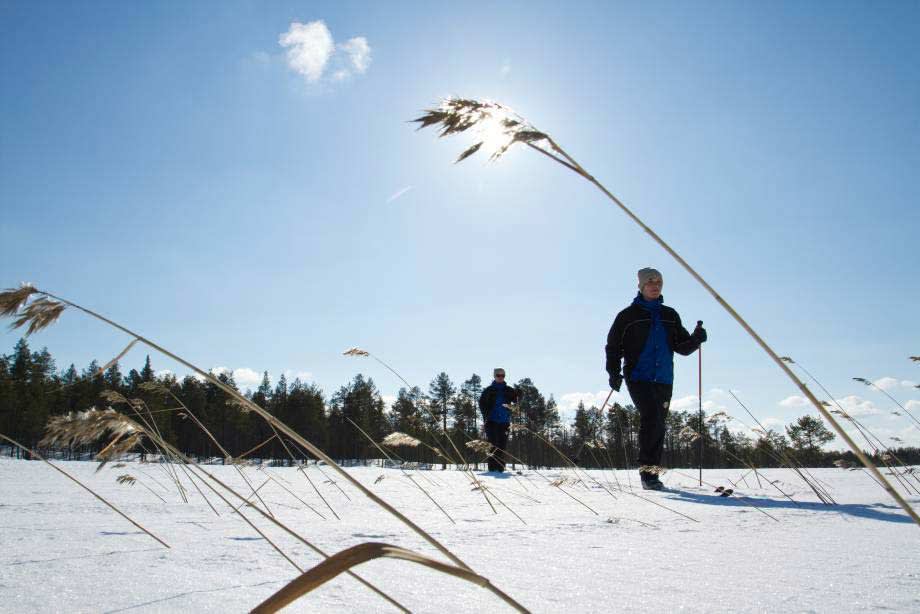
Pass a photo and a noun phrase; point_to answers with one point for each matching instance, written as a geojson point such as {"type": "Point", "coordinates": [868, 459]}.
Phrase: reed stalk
{"type": "Point", "coordinates": [459, 115]}
{"type": "Point", "coordinates": [13, 303]}
{"type": "Point", "coordinates": [84, 487]}
{"type": "Point", "coordinates": [351, 557]}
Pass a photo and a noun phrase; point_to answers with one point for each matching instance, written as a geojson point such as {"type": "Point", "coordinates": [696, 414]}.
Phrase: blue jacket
{"type": "Point", "coordinates": [656, 362]}
{"type": "Point", "coordinates": [636, 337]}
{"type": "Point", "coordinates": [492, 400]}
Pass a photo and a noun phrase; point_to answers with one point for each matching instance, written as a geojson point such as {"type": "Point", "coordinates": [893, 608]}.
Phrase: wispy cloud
{"type": "Point", "coordinates": [358, 52]}
{"type": "Point", "coordinates": [303, 376]}
{"type": "Point", "coordinates": [311, 50]}
{"type": "Point", "coordinates": [795, 401]}
{"type": "Point", "coordinates": [398, 194]}
{"type": "Point", "coordinates": [891, 383]}
{"type": "Point", "coordinates": [505, 70]}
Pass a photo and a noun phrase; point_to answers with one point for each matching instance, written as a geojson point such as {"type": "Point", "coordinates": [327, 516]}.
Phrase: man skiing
{"type": "Point", "coordinates": [644, 336]}
{"type": "Point", "coordinates": [497, 417]}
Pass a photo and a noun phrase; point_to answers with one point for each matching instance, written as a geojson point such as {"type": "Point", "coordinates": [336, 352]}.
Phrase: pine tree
{"type": "Point", "coordinates": [807, 435]}
{"type": "Point", "coordinates": [442, 390]}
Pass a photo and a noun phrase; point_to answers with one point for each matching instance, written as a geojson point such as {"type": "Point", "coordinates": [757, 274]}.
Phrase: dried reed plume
{"type": "Point", "coordinates": [39, 314]}
{"type": "Point", "coordinates": [400, 439]}
{"type": "Point", "coordinates": [355, 352]}
{"type": "Point", "coordinates": [915, 358]}
{"type": "Point", "coordinates": [126, 479]}
{"type": "Point", "coordinates": [653, 469]}
{"type": "Point", "coordinates": [499, 128]}
{"type": "Point", "coordinates": [478, 445]}
{"type": "Point", "coordinates": [86, 427]}
{"type": "Point", "coordinates": [688, 435]}
{"type": "Point", "coordinates": [13, 299]}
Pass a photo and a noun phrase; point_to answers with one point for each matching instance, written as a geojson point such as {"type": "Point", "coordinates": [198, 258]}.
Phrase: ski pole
{"type": "Point", "coordinates": [699, 323]}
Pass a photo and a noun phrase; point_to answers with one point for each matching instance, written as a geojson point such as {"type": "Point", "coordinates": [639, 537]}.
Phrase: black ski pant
{"type": "Point", "coordinates": [497, 434]}
{"type": "Point", "coordinates": [652, 401]}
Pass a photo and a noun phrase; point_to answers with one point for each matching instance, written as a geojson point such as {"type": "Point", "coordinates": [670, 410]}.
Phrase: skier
{"type": "Point", "coordinates": [644, 336]}
{"type": "Point", "coordinates": [497, 417]}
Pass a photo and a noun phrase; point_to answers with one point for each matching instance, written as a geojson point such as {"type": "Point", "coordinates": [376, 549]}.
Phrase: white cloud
{"type": "Point", "coordinates": [309, 47]}
{"type": "Point", "coordinates": [398, 194]}
{"type": "Point", "coordinates": [303, 376]}
{"type": "Point", "coordinates": [857, 406]}
{"type": "Point", "coordinates": [388, 400]}
{"type": "Point", "coordinates": [887, 383]}
{"type": "Point", "coordinates": [359, 53]}
{"type": "Point", "coordinates": [569, 401]}
{"type": "Point", "coordinates": [163, 373]}
{"type": "Point", "coordinates": [311, 50]}
{"type": "Point", "coordinates": [244, 376]}
{"type": "Point", "coordinates": [795, 401]}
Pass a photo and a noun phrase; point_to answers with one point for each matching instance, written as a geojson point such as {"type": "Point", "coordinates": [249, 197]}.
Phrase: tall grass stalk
{"type": "Point", "coordinates": [459, 115]}
{"type": "Point", "coordinates": [787, 459]}
{"type": "Point", "coordinates": [404, 472]}
{"type": "Point", "coordinates": [862, 429]}
{"type": "Point", "coordinates": [351, 557]}
{"type": "Point", "coordinates": [84, 487]}
{"type": "Point", "coordinates": [156, 387]}
{"type": "Point", "coordinates": [197, 467]}
{"type": "Point", "coordinates": [13, 303]}
{"type": "Point", "coordinates": [885, 392]}
{"type": "Point", "coordinates": [360, 352]}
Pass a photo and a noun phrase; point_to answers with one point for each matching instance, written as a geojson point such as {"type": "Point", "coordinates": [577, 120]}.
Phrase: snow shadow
{"type": "Point", "coordinates": [877, 511]}
{"type": "Point", "coordinates": [495, 474]}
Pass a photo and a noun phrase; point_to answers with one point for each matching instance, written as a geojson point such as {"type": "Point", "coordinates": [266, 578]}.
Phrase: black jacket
{"type": "Point", "coordinates": [487, 399]}
{"type": "Point", "coordinates": [630, 330]}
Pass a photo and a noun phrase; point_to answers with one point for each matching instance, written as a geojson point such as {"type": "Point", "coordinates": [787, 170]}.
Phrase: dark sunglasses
{"type": "Point", "coordinates": [499, 375]}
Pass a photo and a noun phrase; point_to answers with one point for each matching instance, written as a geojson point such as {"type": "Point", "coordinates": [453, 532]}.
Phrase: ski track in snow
{"type": "Point", "coordinates": [62, 550]}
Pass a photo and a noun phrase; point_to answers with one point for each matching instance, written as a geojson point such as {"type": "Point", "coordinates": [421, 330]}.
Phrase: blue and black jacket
{"type": "Point", "coordinates": [489, 405]}
{"type": "Point", "coordinates": [644, 337]}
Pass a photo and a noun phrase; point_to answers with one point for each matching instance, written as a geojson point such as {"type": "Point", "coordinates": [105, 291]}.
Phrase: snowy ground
{"type": "Point", "coordinates": [62, 550]}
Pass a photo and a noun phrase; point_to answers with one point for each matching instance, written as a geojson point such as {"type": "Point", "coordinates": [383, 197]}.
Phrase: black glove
{"type": "Point", "coordinates": [699, 333]}
{"type": "Point", "coordinates": [615, 382]}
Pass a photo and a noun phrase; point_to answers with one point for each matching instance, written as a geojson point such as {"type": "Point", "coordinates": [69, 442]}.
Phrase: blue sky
{"type": "Point", "coordinates": [169, 166]}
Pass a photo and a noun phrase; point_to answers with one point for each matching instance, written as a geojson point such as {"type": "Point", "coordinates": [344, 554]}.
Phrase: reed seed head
{"type": "Point", "coordinates": [496, 126]}
{"type": "Point", "coordinates": [400, 439]}
{"type": "Point", "coordinates": [787, 359]}
{"type": "Point", "coordinates": [12, 299]}
{"type": "Point", "coordinates": [355, 352]}
{"type": "Point", "coordinates": [39, 314]}
{"type": "Point", "coordinates": [688, 435]}
{"type": "Point", "coordinates": [478, 445]}
{"type": "Point", "coordinates": [126, 479]}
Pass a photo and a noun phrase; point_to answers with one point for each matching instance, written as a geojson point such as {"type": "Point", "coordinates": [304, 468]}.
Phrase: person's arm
{"type": "Point", "coordinates": [684, 342]}
{"type": "Point", "coordinates": [614, 351]}
{"type": "Point", "coordinates": [483, 408]}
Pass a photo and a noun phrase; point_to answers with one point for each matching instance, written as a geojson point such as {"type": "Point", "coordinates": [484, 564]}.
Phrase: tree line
{"type": "Point", "coordinates": [350, 423]}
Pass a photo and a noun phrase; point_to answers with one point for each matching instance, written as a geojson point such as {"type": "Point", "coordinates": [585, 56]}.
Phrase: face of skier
{"type": "Point", "coordinates": [652, 289]}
